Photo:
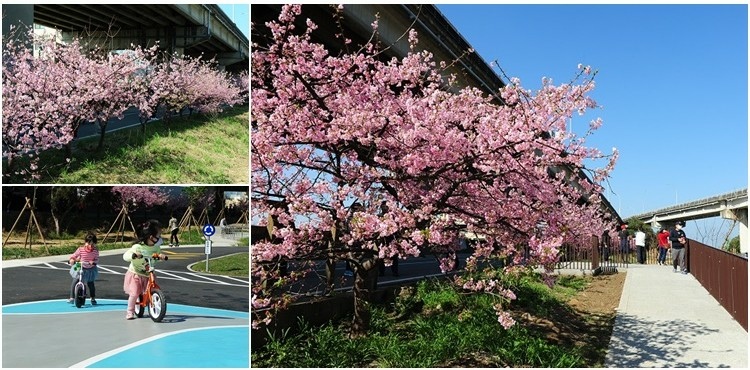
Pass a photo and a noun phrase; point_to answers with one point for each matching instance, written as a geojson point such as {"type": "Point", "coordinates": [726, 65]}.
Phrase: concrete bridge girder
{"type": "Point", "coordinates": [731, 206]}
{"type": "Point", "coordinates": [181, 28]}
{"type": "Point", "coordinates": [214, 26]}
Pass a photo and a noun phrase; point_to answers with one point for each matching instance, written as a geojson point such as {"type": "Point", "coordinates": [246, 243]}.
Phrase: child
{"type": "Point", "coordinates": [88, 254]}
{"type": "Point", "coordinates": [136, 279]}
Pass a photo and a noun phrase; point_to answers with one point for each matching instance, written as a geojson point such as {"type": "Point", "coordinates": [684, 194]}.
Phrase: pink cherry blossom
{"type": "Point", "coordinates": [329, 129]}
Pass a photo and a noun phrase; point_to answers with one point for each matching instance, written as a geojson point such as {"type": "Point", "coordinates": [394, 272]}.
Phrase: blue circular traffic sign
{"type": "Point", "coordinates": [209, 230]}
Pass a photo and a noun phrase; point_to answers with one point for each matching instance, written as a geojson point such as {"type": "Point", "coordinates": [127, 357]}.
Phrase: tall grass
{"type": "Point", "coordinates": [438, 327]}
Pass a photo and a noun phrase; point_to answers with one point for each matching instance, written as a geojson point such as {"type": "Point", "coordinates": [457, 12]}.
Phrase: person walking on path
{"type": "Point", "coordinates": [88, 254]}
{"type": "Point", "coordinates": [663, 237]}
{"type": "Point", "coordinates": [624, 243]}
{"type": "Point", "coordinates": [679, 244]}
{"type": "Point", "coordinates": [173, 229]}
{"type": "Point", "coordinates": [640, 243]}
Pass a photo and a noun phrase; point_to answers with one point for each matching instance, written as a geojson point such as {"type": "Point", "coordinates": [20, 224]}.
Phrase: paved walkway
{"type": "Point", "coordinates": [668, 319]}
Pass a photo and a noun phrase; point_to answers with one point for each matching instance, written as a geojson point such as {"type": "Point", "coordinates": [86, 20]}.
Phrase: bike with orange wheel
{"type": "Point", "coordinates": [153, 299]}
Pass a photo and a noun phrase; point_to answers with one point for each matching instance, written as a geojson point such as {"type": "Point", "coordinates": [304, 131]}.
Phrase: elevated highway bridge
{"type": "Point", "coordinates": [190, 29]}
{"type": "Point", "coordinates": [731, 206]}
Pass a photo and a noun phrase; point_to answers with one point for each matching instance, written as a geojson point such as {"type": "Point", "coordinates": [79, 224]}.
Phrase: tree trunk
{"type": "Point", "coordinates": [102, 131]}
{"type": "Point", "coordinates": [56, 220]}
{"type": "Point", "coordinates": [330, 275]}
{"type": "Point", "coordinates": [365, 283]}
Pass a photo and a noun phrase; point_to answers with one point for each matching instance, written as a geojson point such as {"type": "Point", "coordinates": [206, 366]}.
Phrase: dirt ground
{"type": "Point", "coordinates": [588, 320]}
{"type": "Point", "coordinates": [601, 296]}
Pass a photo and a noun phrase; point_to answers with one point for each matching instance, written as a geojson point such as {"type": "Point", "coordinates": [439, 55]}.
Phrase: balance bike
{"type": "Point", "coordinates": [153, 298]}
{"type": "Point", "coordinates": [79, 291]}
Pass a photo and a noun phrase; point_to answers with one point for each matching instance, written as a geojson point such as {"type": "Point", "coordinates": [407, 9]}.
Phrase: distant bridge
{"type": "Point", "coordinates": [191, 29]}
{"type": "Point", "coordinates": [731, 206]}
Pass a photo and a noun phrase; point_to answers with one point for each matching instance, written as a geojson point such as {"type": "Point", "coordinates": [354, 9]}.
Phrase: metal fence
{"type": "Point", "coordinates": [724, 275]}
{"type": "Point", "coordinates": [606, 255]}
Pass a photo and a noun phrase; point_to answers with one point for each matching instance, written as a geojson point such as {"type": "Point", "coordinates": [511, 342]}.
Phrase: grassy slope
{"type": "Point", "coordinates": [200, 149]}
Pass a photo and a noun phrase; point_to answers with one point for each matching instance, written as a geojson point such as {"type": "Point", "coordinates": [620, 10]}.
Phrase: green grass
{"type": "Point", "coordinates": [232, 265]}
{"type": "Point", "coordinates": [210, 149]}
{"type": "Point", "coordinates": [450, 329]}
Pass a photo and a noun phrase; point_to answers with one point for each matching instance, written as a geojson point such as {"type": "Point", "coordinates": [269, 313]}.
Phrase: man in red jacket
{"type": "Point", "coordinates": [663, 237]}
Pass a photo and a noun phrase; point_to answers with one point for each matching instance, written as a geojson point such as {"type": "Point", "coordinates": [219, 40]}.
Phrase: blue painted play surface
{"type": "Point", "coordinates": [189, 337]}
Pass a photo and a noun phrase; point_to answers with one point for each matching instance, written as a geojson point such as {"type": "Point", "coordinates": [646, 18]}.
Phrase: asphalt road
{"type": "Point", "coordinates": [130, 119]}
{"type": "Point", "coordinates": [46, 281]}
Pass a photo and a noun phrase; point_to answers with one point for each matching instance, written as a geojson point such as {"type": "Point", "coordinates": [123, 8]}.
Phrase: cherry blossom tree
{"type": "Point", "coordinates": [184, 82]}
{"type": "Point", "coordinates": [211, 89]}
{"type": "Point", "coordinates": [139, 196]}
{"type": "Point", "coordinates": [43, 103]}
{"type": "Point", "coordinates": [357, 157]}
{"type": "Point", "coordinates": [242, 81]}
{"type": "Point", "coordinates": [113, 84]}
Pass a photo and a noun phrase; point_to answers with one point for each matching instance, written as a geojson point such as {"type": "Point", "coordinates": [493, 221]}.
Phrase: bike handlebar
{"type": "Point", "coordinates": [154, 256]}
{"type": "Point", "coordinates": [82, 262]}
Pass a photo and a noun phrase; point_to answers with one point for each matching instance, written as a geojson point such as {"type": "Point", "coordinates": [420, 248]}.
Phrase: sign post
{"type": "Point", "coordinates": [208, 230]}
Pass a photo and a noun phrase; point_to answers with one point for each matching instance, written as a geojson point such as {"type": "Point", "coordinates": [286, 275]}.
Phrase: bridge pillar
{"type": "Point", "coordinates": [655, 224]}
{"type": "Point", "coordinates": [739, 214]}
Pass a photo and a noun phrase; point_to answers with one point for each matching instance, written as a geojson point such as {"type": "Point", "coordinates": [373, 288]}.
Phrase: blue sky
{"type": "Point", "coordinates": [672, 81]}
{"type": "Point", "coordinates": [240, 14]}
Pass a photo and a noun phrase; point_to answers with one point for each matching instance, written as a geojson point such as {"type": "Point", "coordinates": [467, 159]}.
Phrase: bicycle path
{"type": "Point", "coordinates": [99, 336]}
{"type": "Point", "coordinates": [54, 333]}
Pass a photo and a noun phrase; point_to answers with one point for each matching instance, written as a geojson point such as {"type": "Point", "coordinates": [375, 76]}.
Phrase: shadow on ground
{"type": "Point", "coordinates": [638, 342]}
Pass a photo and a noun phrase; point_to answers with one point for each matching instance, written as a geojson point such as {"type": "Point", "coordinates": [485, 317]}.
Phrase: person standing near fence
{"type": "Point", "coordinates": [624, 243]}
{"type": "Point", "coordinates": [640, 243]}
{"type": "Point", "coordinates": [679, 244]}
{"type": "Point", "coordinates": [663, 237]}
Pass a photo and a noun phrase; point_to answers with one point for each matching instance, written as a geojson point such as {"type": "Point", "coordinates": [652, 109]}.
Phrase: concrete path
{"type": "Point", "coordinates": [54, 333]}
{"type": "Point", "coordinates": [668, 319]}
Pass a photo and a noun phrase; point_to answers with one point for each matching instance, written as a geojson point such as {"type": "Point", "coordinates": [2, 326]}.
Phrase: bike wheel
{"type": "Point", "coordinates": [139, 310]}
{"type": "Point", "coordinates": [158, 307]}
{"type": "Point", "coordinates": [80, 295]}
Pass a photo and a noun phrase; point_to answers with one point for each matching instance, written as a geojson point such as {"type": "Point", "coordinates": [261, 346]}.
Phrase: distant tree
{"type": "Point", "coordinates": [136, 197]}
{"type": "Point", "coordinates": [635, 224]}
{"type": "Point", "coordinates": [211, 90]}
{"type": "Point", "coordinates": [242, 81]}
{"type": "Point", "coordinates": [733, 245]}
{"type": "Point", "coordinates": [64, 201]}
